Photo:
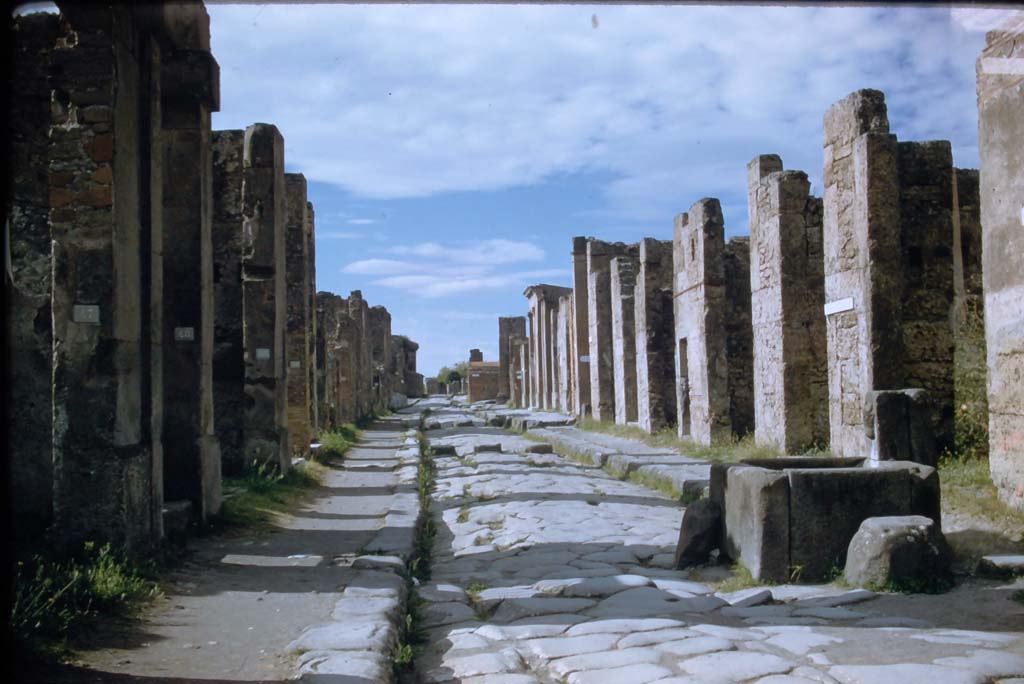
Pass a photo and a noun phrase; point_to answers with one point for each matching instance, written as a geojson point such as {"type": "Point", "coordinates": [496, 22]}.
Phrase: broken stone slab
{"type": "Point", "coordinates": [343, 667]}
{"type": "Point", "coordinates": [376, 562]}
{"type": "Point", "coordinates": [347, 636]}
{"type": "Point", "coordinates": [898, 426]}
{"type": "Point", "coordinates": [1001, 566]}
{"type": "Point", "coordinates": [699, 533]}
{"type": "Point", "coordinates": [745, 598]}
{"type": "Point", "coordinates": [483, 448]}
{"type": "Point", "coordinates": [907, 551]}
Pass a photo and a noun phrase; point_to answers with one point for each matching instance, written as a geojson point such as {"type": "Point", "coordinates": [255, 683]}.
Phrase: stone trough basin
{"type": "Point", "coordinates": [792, 519]}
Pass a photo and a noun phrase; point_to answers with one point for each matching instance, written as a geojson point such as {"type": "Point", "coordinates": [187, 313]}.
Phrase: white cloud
{"type": "Point", "coordinates": [433, 270]}
{"type": "Point", "coordinates": [361, 221]}
{"type": "Point", "coordinates": [337, 235]}
{"type": "Point", "coordinates": [409, 101]}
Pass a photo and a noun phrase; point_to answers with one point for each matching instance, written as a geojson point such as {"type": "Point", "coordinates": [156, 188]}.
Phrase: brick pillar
{"type": "Point", "coordinates": [1001, 121]}
{"type": "Point", "coordinates": [654, 335]}
{"type": "Point", "coordinates": [192, 462]}
{"type": "Point", "coordinates": [105, 213]}
{"type": "Point", "coordinates": [702, 370]}
{"type": "Point", "coordinates": [228, 343]}
{"type": "Point", "coordinates": [264, 301]}
{"type": "Point", "coordinates": [298, 323]}
{"type": "Point", "coordinates": [623, 284]}
{"type": "Point", "coordinates": [787, 298]}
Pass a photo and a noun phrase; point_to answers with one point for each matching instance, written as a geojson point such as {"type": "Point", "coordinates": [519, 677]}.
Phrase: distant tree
{"type": "Point", "coordinates": [459, 370]}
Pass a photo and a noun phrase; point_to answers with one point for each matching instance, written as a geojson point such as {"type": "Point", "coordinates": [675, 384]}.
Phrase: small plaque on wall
{"type": "Point", "coordinates": [262, 354]}
{"type": "Point", "coordinates": [295, 364]}
{"type": "Point", "coordinates": [85, 313]}
{"type": "Point", "coordinates": [184, 334]}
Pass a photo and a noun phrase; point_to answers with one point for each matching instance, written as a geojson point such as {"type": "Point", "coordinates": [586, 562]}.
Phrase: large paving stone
{"type": "Point", "coordinates": [888, 674]}
{"type": "Point", "coordinates": [631, 674]}
{"type": "Point", "coordinates": [562, 667]}
{"type": "Point", "coordinates": [560, 647]}
{"type": "Point", "coordinates": [698, 645]}
{"type": "Point", "coordinates": [737, 666]}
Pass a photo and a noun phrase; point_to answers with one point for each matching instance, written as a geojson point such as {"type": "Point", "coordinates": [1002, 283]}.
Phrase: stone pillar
{"type": "Point", "coordinates": [654, 335]}
{"type": "Point", "coordinates": [862, 262]}
{"type": "Point", "coordinates": [328, 310]}
{"type": "Point", "coordinates": [264, 297]}
{"type": "Point", "coordinates": [29, 288]}
{"type": "Point", "coordinates": [739, 335]}
{"type": "Point", "coordinates": [507, 327]}
{"type": "Point", "coordinates": [623, 283]}
{"type": "Point", "coordinates": [298, 323]}
{"type": "Point", "coordinates": [787, 300]}
{"type": "Point", "coordinates": [105, 222]}
{"type": "Point", "coordinates": [362, 374]}
{"type": "Point", "coordinates": [599, 313]}
{"type": "Point", "coordinates": [702, 368]}
{"type": "Point", "coordinates": [228, 343]}
{"type": "Point", "coordinates": [311, 336]}
{"type": "Point", "coordinates": [581, 328]}
{"type": "Point", "coordinates": [1000, 123]}
{"type": "Point", "coordinates": [563, 341]}
{"type": "Point", "coordinates": [380, 358]}
{"type": "Point", "coordinates": [192, 461]}
{"type": "Point", "coordinates": [543, 353]}
{"type": "Point", "coordinates": [889, 273]}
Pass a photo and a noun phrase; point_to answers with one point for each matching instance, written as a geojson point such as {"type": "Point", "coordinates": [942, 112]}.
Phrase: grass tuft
{"type": "Point", "coordinates": [741, 579]}
{"type": "Point", "coordinates": [256, 497]}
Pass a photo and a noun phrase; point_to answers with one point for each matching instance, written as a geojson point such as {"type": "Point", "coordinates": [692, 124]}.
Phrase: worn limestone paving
{"type": "Point", "coordinates": [322, 590]}
{"type": "Point", "coordinates": [549, 570]}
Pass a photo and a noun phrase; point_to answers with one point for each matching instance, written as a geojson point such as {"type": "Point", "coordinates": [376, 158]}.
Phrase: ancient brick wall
{"type": "Point", "coordinates": [1000, 130]}
{"type": "Point", "coordinates": [29, 324]}
{"type": "Point", "coordinates": [482, 383]}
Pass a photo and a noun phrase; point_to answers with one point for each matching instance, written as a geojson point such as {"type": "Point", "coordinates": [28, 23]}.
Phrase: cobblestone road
{"type": "Point", "coordinates": [546, 570]}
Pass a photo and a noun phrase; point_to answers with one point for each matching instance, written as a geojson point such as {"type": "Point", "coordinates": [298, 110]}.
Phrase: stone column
{"type": "Point", "coordinates": [654, 334]}
{"type": "Point", "coordinates": [298, 324]}
{"type": "Point", "coordinates": [326, 337]}
{"type": "Point", "coordinates": [623, 284]}
{"type": "Point", "coordinates": [702, 368]}
{"type": "Point", "coordinates": [29, 284]}
{"type": "Point", "coordinates": [507, 327]}
{"type": "Point", "coordinates": [519, 370]}
{"type": "Point", "coordinates": [543, 353]}
{"type": "Point", "coordinates": [787, 299]}
{"type": "Point", "coordinates": [581, 328]}
{"type": "Point", "coordinates": [264, 297]}
{"type": "Point", "coordinates": [192, 462]}
{"type": "Point", "coordinates": [551, 379]}
{"type": "Point", "coordinates": [362, 374]}
{"type": "Point", "coordinates": [228, 343]}
{"type": "Point", "coordinates": [1000, 122]}
{"type": "Point", "coordinates": [105, 222]}
{"type": "Point", "coordinates": [862, 262]}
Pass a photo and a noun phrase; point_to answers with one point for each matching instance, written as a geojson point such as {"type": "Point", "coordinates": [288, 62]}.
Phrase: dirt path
{"type": "Point", "coordinates": [233, 607]}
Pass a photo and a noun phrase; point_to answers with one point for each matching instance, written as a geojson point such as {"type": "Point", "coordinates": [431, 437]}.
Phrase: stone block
{"type": "Point", "coordinates": [907, 551]}
{"type": "Point", "coordinates": [623, 286]}
{"type": "Point", "coordinates": [898, 427]}
{"type": "Point", "coordinates": [699, 533]}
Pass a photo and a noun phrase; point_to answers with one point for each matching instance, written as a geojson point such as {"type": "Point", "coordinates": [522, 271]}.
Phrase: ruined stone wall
{"type": "Point", "coordinates": [623, 284]}
{"type": "Point", "coordinates": [482, 383]}
{"type": "Point", "coordinates": [1000, 128]}
{"type": "Point", "coordinates": [264, 301]}
{"type": "Point", "coordinates": [581, 328]}
{"type": "Point", "coordinates": [326, 338]}
{"type": "Point", "coordinates": [192, 458]}
{"type": "Point", "coordinates": [29, 324]}
{"type": "Point", "coordinates": [298, 319]}
{"type": "Point", "coordinates": [702, 370]}
{"type": "Point", "coordinates": [507, 328]}
{"type": "Point", "coordinates": [599, 324]}
{"type": "Point", "coordinates": [362, 360]}
{"type": "Point", "coordinates": [787, 300]}
{"type": "Point", "coordinates": [228, 345]}
{"type": "Point", "coordinates": [105, 220]}
{"type": "Point", "coordinates": [654, 333]}
{"type": "Point", "coordinates": [967, 260]}
{"type": "Point", "coordinates": [348, 367]}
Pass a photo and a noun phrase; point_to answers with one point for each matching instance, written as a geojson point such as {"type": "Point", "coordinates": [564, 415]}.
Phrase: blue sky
{"type": "Point", "coordinates": [453, 151]}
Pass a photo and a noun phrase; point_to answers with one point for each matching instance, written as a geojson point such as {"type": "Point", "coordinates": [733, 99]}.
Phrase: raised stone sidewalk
{"type": "Point", "coordinates": [549, 570]}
